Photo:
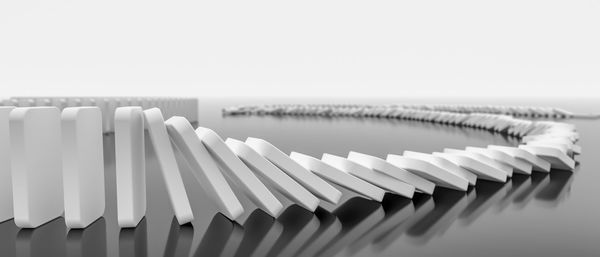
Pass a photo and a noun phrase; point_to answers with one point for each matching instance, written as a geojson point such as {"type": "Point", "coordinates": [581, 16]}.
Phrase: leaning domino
{"type": "Point", "coordinates": [429, 171]}
{"type": "Point", "coordinates": [6, 190]}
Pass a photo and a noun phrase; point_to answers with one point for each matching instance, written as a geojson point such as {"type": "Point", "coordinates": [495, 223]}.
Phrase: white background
{"type": "Point", "coordinates": [525, 48]}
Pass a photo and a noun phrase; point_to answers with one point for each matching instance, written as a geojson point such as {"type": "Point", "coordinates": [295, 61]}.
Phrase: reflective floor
{"type": "Point", "coordinates": [552, 214]}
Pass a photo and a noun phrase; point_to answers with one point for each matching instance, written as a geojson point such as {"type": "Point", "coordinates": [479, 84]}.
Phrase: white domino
{"type": "Point", "coordinates": [444, 164]}
{"type": "Point", "coordinates": [286, 185]}
{"type": "Point", "coordinates": [508, 170]}
{"type": "Point", "coordinates": [159, 138]}
{"type": "Point", "coordinates": [36, 165]}
{"type": "Point", "coordinates": [376, 178]}
{"type": "Point", "coordinates": [338, 176]}
{"type": "Point", "coordinates": [429, 171]}
{"type": "Point", "coordinates": [557, 158]}
{"type": "Point", "coordinates": [481, 169]}
{"type": "Point", "coordinates": [518, 165]}
{"type": "Point", "coordinates": [6, 193]}
{"type": "Point", "coordinates": [204, 168]}
{"type": "Point", "coordinates": [130, 162]}
{"type": "Point", "coordinates": [396, 172]}
{"type": "Point", "coordinates": [310, 181]}
{"type": "Point", "coordinates": [239, 172]}
{"type": "Point", "coordinates": [83, 165]}
{"type": "Point", "coordinates": [538, 164]}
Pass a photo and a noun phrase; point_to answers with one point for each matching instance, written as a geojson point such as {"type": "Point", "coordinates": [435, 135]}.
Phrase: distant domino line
{"type": "Point", "coordinates": [303, 179]}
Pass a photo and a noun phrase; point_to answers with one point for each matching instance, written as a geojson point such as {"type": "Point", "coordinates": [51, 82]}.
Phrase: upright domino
{"type": "Point", "coordinates": [35, 145]}
{"type": "Point", "coordinates": [130, 164]}
{"type": "Point", "coordinates": [239, 172]}
{"type": "Point", "coordinates": [204, 168]}
{"type": "Point", "coordinates": [83, 165]}
{"type": "Point", "coordinates": [286, 185]}
{"type": "Point", "coordinates": [306, 178]}
{"type": "Point", "coordinates": [376, 178]}
{"type": "Point", "coordinates": [159, 138]}
{"type": "Point", "coordinates": [338, 176]}
{"type": "Point", "coordinates": [6, 194]}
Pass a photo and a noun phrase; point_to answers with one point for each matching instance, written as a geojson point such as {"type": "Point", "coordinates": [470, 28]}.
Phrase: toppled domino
{"type": "Point", "coordinates": [310, 181]}
{"type": "Point", "coordinates": [394, 171]}
{"type": "Point", "coordinates": [376, 178]}
{"type": "Point", "coordinates": [429, 171]}
{"type": "Point", "coordinates": [518, 165]}
{"type": "Point", "coordinates": [471, 163]}
{"type": "Point", "coordinates": [286, 185]}
{"type": "Point", "coordinates": [36, 165]}
{"type": "Point", "coordinates": [557, 158]}
{"type": "Point", "coordinates": [339, 177]}
{"type": "Point", "coordinates": [538, 163]}
{"type": "Point", "coordinates": [508, 170]}
{"type": "Point", "coordinates": [444, 164]}
{"type": "Point", "coordinates": [83, 165]}
{"type": "Point", "coordinates": [204, 168]}
{"type": "Point", "coordinates": [239, 172]}
{"type": "Point", "coordinates": [159, 138]}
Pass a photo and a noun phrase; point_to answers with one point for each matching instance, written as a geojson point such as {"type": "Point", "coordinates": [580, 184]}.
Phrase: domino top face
{"type": "Point", "coordinates": [83, 176]}
{"type": "Point", "coordinates": [517, 165]}
{"type": "Point", "coordinates": [239, 172]}
{"type": "Point", "coordinates": [166, 158]}
{"type": "Point", "coordinates": [383, 166]}
{"type": "Point", "coordinates": [204, 168]}
{"type": "Point", "coordinates": [36, 165]}
{"type": "Point", "coordinates": [483, 158]}
{"type": "Point", "coordinates": [130, 165]}
{"type": "Point", "coordinates": [288, 186]}
{"type": "Point", "coordinates": [425, 169]}
{"type": "Point", "coordinates": [376, 178]}
{"type": "Point", "coordinates": [538, 163]}
{"type": "Point", "coordinates": [6, 195]}
{"type": "Point", "coordinates": [339, 177]}
{"type": "Point", "coordinates": [483, 170]}
{"type": "Point", "coordinates": [312, 182]}
{"type": "Point", "coordinates": [557, 158]}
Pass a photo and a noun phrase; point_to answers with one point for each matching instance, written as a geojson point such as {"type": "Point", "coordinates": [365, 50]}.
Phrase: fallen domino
{"type": "Point", "coordinates": [130, 162]}
{"type": "Point", "coordinates": [380, 165]}
{"type": "Point", "coordinates": [286, 185]}
{"type": "Point", "coordinates": [312, 182]}
{"type": "Point", "coordinates": [508, 170]}
{"type": "Point", "coordinates": [338, 177]}
{"type": "Point", "coordinates": [518, 165]}
{"type": "Point", "coordinates": [538, 164]}
{"type": "Point", "coordinates": [239, 172]}
{"type": "Point", "coordinates": [159, 138]}
{"type": "Point", "coordinates": [83, 165]}
{"type": "Point", "coordinates": [429, 171]}
{"type": "Point", "coordinates": [557, 158]}
{"type": "Point", "coordinates": [204, 168]}
{"type": "Point", "coordinates": [475, 165]}
{"type": "Point", "coordinates": [36, 165]}
{"type": "Point", "coordinates": [444, 164]}
{"type": "Point", "coordinates": [376, 178]}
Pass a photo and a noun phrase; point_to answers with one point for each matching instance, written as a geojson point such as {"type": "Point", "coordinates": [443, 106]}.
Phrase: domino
{"type": "Point", "coordinates": [286, 185]}
{"type": "Point", "coordinates": [204, 168]}
{"type": "Point", "coordinates": [538, 164]}
{"type": "Point", "coordinates": [444, 164]}
{"type": "Point", "coordinates": [6, 191]}
{"type": "Point", "coordinates": [130, 165]}
{"type": "Point", "coordinates": [396, 172]}
{"type": "Point", "coordinates": [557, 158]}
{"type": "Point", "coordinates": [429, 171]}
{"type": "Point", "coordinates": [36, 165]}
{"type": "Point", "coordinates": [376, 178]}
{"type": "Point", "coordinates": [159, 138]}
{"type": "Point", "coordinates": [518, 165]}
{"type": "Point", "coordinates": [508, 170]}
{"type": "Point", "coordinates": [83, 165]}
{"type": "Point", "coordinates": [339, 177]}
{"type": "Point", "coordinates": [237, 171]}
{"type": "Point", "coordinates": [481, 169]}
{"type": "Point", "coordinates": [309, 180]}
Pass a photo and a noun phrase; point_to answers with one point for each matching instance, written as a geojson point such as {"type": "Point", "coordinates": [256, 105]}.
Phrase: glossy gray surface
{"type": "Point", "coordinates": [543, 215]}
